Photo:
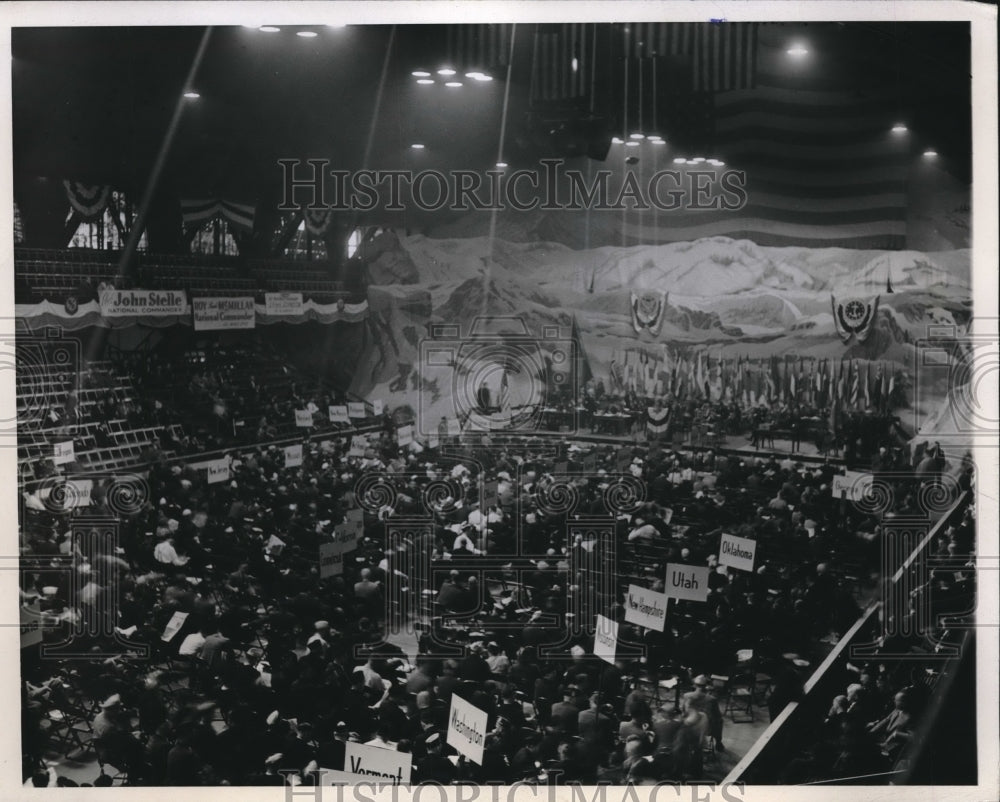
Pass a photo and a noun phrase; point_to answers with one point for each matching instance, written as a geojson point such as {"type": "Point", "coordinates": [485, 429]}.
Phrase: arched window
{"type": "Point", "coordinates": [110, 231]}
{"type": "Point", "coordinates": [214, 238]}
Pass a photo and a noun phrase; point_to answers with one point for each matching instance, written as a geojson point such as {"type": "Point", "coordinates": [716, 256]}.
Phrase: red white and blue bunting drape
{"type": "Point", "coordinates": [318, 221]}
{"type": "Point", "coordinates": [89, 202]}
{"type": "Point", "coordinates": [196, 212]}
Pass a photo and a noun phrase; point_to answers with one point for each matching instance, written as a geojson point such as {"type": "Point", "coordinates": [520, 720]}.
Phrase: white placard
{"type": "Point", "coordinates": [378, 407]}
{"type": "Point", "coordinates": [137, 303]}
{"type": "Point", "coordinates": [454, 427]}
{"type": "Point", "coordinates": [293, 456]}
{"type": "Point", "coordinates": [213, 314]}
{"type": "Point", "coordinates": [303, 418]}
{"type": "Point", "coordinates": [737, 552]}
{"type": "Point", "coordinates": [173, 626]}
{"type": "Point", "coordinates": [687, 582]}
{"type": "Point", "coordinates": [433, 441]}
{"type": "Point", "coordinates": [852, 486]}
{"type": "Point", "coordinates": [467, 729]}
{"type": "Point", "coordinates": [606, 639]}
{"type": "Point", "coordinates": [346, 536]}
{"type": "Point", "coordinates": [646, 607]}
{"type": "Point", "coordinates": [404, 435]}
{"type": "Point", "coordinates": [358, 445]}
{"type": "Point", "coordinates": [62, 453]}
{"type": "Point", "coordinates": [331, 560]}
{"type": "Point", "coordinates": [218, 471]}
{"type": "Point", "coordinates": [338, 414]}
{"type": "Point", "coordinates": [379, 765]}
{"type": "Point", "coordinates": [77, 493]}
{"type": "Point", "coordinates": [355, 519]}
{"type": "Point", "coordinates": [283, 303]}
{"type": "Point", "coordinates": [356, 409]}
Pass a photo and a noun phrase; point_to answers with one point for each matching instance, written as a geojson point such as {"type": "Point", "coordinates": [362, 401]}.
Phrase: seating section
{"type": "Point", "coordinates": [53, 274]}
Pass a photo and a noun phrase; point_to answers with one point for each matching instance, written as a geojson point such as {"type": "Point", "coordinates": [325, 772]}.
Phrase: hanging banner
{"type": "Point", "coordinates": [331, 560]}
{"type": "Point", "coordinates": [737, 552]}
{"type": "Point", "coordinates": [687, 582]}
{"type": "Point", "coordinates": [356, 409]}
{"type": "Point", "coordinates": [606, 639]}
{"type": "Point", "coordinates": [87, 201]}
{"type": "Point", "coordinates": [303, 418]}
{"type": "Point", "coordinates": [293, 456]}
{"type": "Point", "coordinates": [647, 311]}
{"type": "Point", "coordinates": [137, 303]}
{"type": "Point", "coordinates": [854, 317]}
{"type": "Point", "coordinates": [467, 729]}
{"type": "Point", "coordinates": [377, 407]}
{"type": "Point", "coordinates": [218, 471]}
{"type": "Point", "coordinates": [853, 486]}
{"type": "Point", "coordinates": [338, 414]}
{"type": "Point", "coordinates": [404, 435]}
{"type": "Point", "coordinates": [216, 314]}
{"type": "Point", "coordinates": [283, 303]}
{"type": "Point", "coordinates": [63, 453]}
{"type": "Point", "coordinates": [645, 607]}
{"type": "Point", "coordinates": [173, 626]}
{"type": "Point", "coordinates": [381, 765]}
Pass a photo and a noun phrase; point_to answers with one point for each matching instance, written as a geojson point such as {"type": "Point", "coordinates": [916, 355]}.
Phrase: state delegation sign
{"type": "Point", "coordinates": [737, 552]}
{"type": "Point", "coordinates": [606, 639]}
{"type": "Point", "coordinates": [645, 607]}
{"type": "Point", "coordinates": [853, 485]}
{"type": "Point", "coordinates": [467, 729]}
{"type": "Point", "coordinates": [383, 765]}
{"type": "Point", "coordinates": [687, 582]}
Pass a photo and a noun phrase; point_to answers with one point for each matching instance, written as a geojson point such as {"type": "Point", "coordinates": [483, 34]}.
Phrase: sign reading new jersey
{"type": "Point", "coordinates": [293, 456]}
{"type": "Point", "coordinates": [63, 453]}
{"type": "Point", "coordinates": [138, 303]}
{"type": "Point", "coordinates": [218, 470]}
{"type": "Point", "coordinates": [646, 607]}
{"type": "Point", "coordinates": [283, 303]}
{"type": "Point", "coordinates": [687, 582]}
{"type": "Point", "coordinates": [737, 552]}
{"type": "Point", "coordinates": [853, 485]}
{"type": "Point", "coordinates": [380, 765]}
{"type": "Point", "coordinates": [467, 728]}
{"type": "Point", "coordinates": [606, 639]}
{"type": "Point", "coordinates": [213, 314]}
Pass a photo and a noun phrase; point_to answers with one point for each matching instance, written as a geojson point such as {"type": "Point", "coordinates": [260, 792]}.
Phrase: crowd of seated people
{"type": "Point", "coordinates": [271, 668]}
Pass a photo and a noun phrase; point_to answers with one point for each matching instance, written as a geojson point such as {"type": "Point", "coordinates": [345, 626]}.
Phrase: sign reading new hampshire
{"type": "Point", "coordinates": [737, 552]}
{"type": "Point", "coordinates": [136, 303]}
{"type": "Point", "coordinates": [211, 314]}
{"type": "Point", "coordinates": [646, 607]}
{"type": "Point", "coordinates": [467, 728]}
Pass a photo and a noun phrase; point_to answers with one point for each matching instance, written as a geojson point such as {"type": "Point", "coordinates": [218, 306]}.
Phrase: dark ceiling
{"type": "Point", "coordinates": [93, 103]}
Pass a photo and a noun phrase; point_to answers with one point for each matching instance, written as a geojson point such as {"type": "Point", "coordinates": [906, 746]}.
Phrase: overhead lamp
{"type": "Point", "coordinates": [658, 142]}
{"type": "Point", "coordinates": [191, 95]}
{"type": "Point", "coordinates": [502, 164]}
{"type": "Point", "coordinates": [797, 51]}
{"type": "Point", "coordinates": [632, 144]}
{"type": "Point", "coordinates": [453, 84]}
{"type": "Point", "coordinates": [636, 136]}
{"type": "Point", "coordinates": [616, 140]}
{"type": "Point", "coordinates": [417, 146]}
{"type": "Point", "coordinates": [446, 71]}
{"type": "Point", "coordinates": [930, 153]}
{"type": "Point", "coordinates": [680, 160]}
{"type": "Point", "coordinates": [269, 28]}
{"type": "Point", "coordinates": [420, 74]}
{"type": "Point", "coordinates": [899, 128]}
{"type": "Point", "coordinates": [307, 34]}
{"type": "Point", "coordinates": [425, 80]}
{"type": "Point", "coordinates": [698, 160]}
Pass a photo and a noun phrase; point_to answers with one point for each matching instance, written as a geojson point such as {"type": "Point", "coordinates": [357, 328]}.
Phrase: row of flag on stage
{"type": "Point", "coordinates": [853, 384]}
